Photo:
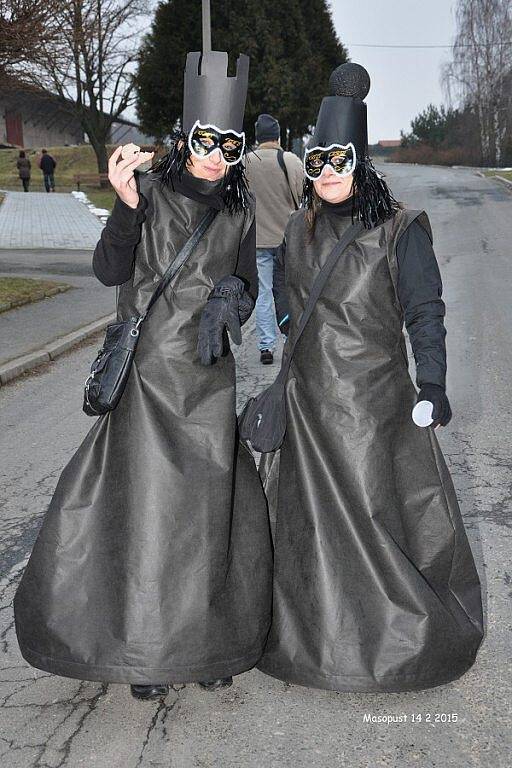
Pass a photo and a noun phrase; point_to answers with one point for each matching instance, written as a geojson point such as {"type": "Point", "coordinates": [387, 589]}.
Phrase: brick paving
{"type": "Point", "coordinates": [43, 220]}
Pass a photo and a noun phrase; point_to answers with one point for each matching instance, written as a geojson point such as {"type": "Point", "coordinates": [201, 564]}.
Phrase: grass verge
{"type": "Point", "coordinates": [101, 198]}
{"type": "Point", "coordinates": [505, 174]}
{"type": "Point", "coordinates": [16, 291]}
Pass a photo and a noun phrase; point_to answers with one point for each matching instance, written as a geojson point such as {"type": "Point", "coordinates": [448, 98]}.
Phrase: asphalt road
{"type": "Point", "coordinates": [52, 722]}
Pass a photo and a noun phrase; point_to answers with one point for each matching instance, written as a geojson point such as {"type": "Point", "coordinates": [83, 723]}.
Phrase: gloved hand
{"type": "Point", "coordinates": [227, 307]}
{"type": "Point", "coordinates": [245, 307]}
{"type": "Point", "coordinates": [441, 413]}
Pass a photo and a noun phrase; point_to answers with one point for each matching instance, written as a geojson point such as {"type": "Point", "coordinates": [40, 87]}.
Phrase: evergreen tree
{"type": "Point", "coordinates": [326, 52]}
{"type": "Point", "coordinates": [159, 81]}
{"type": "Point", "coordinates": [293, 48]}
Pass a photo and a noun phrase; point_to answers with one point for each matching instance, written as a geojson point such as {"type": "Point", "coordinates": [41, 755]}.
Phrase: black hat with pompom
{"type": "Point", "coordinates": [342, 115]}
{"type": "Point", "coordinates": [342, 120]}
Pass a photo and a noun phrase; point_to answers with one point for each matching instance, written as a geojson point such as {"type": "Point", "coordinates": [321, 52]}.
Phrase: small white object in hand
{"type": "Point", "coordinates": [422, 413]}
{"type": "Point", "coordinates": [132, 150]}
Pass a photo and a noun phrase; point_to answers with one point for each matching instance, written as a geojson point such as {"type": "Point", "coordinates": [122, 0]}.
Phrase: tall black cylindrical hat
{"type": "Point", "coordinates": [342, 115]}
{"type": "Point", "coordinates": [212, 97]}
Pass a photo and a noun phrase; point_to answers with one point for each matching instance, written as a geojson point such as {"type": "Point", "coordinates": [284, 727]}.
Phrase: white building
{"type": "Point", "coordinates": [32, 119]}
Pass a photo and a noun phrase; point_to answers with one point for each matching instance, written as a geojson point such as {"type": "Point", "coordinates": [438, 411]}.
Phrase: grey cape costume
{"type": "Point", "coordinates": [375, 587]}
{"type": "Point", "coordinates": [154, 559]}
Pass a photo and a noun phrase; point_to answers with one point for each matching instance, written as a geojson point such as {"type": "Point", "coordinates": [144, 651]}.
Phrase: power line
{"type": "Point", "coordinates": [458, 45]}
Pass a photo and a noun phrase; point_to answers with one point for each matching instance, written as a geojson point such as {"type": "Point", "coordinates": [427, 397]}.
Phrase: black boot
{"type": "Point", "coordinates": [149, 692]}
{"type": "Point", "coordinates": [266, 357]}
{"type": "Point", "coordinates": [212, 685]}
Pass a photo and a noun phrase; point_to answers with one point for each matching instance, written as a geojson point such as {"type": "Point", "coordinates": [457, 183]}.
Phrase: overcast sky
{"type": "Point", "coordinates": [404, 80]}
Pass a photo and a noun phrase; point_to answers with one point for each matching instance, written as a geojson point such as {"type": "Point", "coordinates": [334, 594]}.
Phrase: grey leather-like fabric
{"type": "Point", "coordinates": [153, 563]}
{"type": "Point", "coordinates": [375, 586]}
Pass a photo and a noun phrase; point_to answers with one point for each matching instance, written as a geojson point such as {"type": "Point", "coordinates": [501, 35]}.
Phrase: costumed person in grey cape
{"type": "Point", "coordinates": [153, 565]}
{"type": "Point", "coordinates": [375, 586]}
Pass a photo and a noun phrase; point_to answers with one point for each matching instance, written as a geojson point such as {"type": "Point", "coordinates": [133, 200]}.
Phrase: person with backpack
{"type": "Point", "coordinates": [275, 178]}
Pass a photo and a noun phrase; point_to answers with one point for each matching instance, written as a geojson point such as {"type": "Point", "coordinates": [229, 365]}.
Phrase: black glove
{"type": "Point", "coordinates": [441, 413]}
{"type": "Point", "coordinates": [245, 307]}
{"type": "Point", "coordinates": [227, 307]}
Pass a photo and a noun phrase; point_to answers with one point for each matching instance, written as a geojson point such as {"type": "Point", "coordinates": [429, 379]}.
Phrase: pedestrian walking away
{"type": "Point", "coordinates": [375, 585]}
{"type": "Point", "coordinates": [275, 178]}
{"type": "Point", "coordinates": [48, 164]}
{"type": "Point", "coordinates": [23, 165]}
{"type": "Point", "coordinates": [154, 561]}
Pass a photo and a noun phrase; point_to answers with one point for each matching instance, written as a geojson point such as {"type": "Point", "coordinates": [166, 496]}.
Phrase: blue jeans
{"type": "Point", "coordinates": [49, 181]}
{"type": "Point", "coordinates": [266, 324]}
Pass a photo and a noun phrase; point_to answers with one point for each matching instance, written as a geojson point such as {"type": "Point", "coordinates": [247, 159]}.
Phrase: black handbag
{"type": "Point", "coordinates": [263, 419]}
{"type": "Point", "coordinates": [111, 367]}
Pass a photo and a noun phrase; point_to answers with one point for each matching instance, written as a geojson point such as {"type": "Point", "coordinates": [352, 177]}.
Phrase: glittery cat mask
{"type": "Point", "coordinates": [203, 140]}
{"type": "Point", "coordinates": [340, 157]}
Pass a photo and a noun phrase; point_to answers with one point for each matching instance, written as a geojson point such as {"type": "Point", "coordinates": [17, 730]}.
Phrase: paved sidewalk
{"type": "Point", "coordinates": [47, 220]}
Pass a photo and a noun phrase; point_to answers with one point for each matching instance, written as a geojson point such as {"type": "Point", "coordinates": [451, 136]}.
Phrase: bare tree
{"type": "Point", "coordinates": [90, 65]}
{"type": "Point", "coordinates": [481, 67]}
{"type": "Point", "coordinates": [27, 28]}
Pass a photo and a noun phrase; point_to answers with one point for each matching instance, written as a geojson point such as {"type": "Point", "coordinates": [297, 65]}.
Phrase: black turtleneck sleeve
{"type": "Point", "coordinates": [419, 291]}
{"type": "Point", "coordinates": [246, 268]}
{"type": "Point", "coordinates": [113, 257]}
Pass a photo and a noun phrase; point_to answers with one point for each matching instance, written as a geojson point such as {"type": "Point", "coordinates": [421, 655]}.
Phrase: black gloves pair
{"type": "Point", "coordinates": [441, 413]}
{"type": "Point", "coordinates": [228, 307]}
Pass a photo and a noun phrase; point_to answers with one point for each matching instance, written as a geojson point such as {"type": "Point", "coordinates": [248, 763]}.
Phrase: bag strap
{"type": "Point", "coordinates": [346, 239]}
{"type": "Point", "coordinates": [180, 259]}
{"type": "Point", "coordinates": [282, 164]}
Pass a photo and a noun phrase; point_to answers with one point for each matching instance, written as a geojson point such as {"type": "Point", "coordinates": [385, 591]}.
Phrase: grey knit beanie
{"type": "Point", "coordinates": [267, 129]}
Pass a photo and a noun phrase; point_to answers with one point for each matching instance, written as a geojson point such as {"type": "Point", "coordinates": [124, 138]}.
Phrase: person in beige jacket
{"type": "Point", "coordinates": [275, 179]}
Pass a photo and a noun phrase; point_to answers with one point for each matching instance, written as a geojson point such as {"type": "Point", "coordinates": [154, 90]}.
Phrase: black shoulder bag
{"type": "Point", "coordinates": [111, 367]}
{"type": "Point", "coordinates": [263, 419]}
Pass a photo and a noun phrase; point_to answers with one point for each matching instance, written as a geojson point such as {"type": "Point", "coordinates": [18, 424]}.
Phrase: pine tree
{"type": "Point", "coordinates": [159, 81]}
{"type": "Point", "coordinates": [326, 51]}
{"type": "Point", "coordinates": [293, 48]}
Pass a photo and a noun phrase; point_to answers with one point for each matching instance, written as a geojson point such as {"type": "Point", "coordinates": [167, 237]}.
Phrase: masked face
{"type": "Point", "coordinates": [203, 140]}
{"type": "Point", "coordinates": [340, 157]}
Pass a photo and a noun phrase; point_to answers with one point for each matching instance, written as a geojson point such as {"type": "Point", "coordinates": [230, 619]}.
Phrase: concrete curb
{"type": "Point", "coordinates": [43, 294]}
{"type": "Point", "coordinates": [502, 179]}
{"type": "Point", "coordinates": [14, 368]}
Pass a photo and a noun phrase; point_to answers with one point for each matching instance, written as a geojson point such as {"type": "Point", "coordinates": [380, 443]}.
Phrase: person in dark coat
{"type": "Point", "coordinates": [48, 164]}
{"type": "Point", "coordinates": [153, 565]}
{"type": "Point", "coordinates": [23, 165]}
{"type": "Point", "coordinates": [375, 586]}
